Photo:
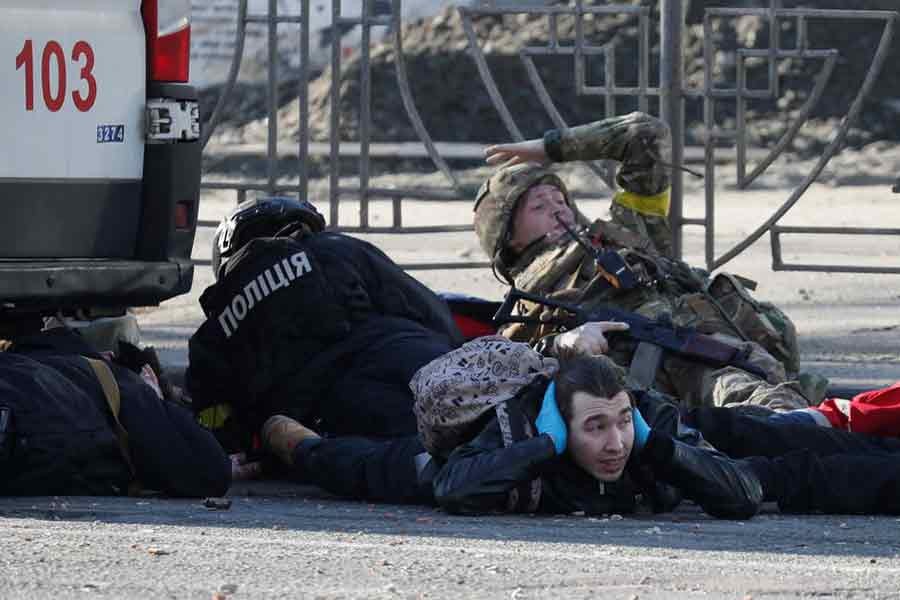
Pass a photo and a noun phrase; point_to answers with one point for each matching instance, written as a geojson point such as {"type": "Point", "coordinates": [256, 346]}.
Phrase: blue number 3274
{"type": "Point", "coordinates": [107, 134]}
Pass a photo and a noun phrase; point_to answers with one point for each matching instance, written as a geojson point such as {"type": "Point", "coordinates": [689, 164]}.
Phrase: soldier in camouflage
{"type": "Point", "coordinates": [524, 217]}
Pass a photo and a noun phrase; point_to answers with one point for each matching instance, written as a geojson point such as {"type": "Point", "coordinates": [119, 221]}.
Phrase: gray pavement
{"type": "Point", "coordinates": [284, 541]}
{"type": "Point", "coordinates": [280, 540]}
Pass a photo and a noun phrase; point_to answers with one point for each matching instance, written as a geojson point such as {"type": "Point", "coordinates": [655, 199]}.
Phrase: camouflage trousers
{"type": "Point", "coordinates": [699, 385]}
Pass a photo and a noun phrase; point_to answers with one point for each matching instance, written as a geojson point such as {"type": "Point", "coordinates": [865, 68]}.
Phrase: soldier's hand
{"type": "Point", "coordinates": [588, 339]}
{"type": "Point", "coordinates": [519, 152]}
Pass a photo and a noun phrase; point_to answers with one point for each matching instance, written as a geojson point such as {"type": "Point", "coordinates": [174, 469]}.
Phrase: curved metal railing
{"type": "Point", "coordinates": [670, 91]}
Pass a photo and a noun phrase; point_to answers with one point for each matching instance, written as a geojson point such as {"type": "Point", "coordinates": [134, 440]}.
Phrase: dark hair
{"type": "Point", "coordinates": [134, 359]}
{"type": "Point", "coordinates": [596, 375]}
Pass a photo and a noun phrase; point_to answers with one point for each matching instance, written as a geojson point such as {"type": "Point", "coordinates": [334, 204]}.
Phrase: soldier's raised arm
{"type": "Point", "coordinates": [640, 142]}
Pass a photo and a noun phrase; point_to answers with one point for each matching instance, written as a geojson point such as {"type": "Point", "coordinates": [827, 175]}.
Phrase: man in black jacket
{"type": "Point", "coordinates": [593, 451]}
{"type": "Point", "coordinates": [310, 323]}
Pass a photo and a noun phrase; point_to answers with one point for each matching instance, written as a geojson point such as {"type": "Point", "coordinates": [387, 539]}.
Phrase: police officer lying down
{"type": "Point", "coordinates": [310, 323]}
{"type": "Point", "coordinates": [597, 445]}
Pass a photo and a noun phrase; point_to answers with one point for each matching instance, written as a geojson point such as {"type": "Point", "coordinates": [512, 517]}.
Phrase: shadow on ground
{"type": "Point", "coordinates": [284, 506]}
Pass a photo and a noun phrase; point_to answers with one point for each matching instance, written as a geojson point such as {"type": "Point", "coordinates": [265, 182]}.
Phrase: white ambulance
{"type": "Point", "coordinates": [99, 154]}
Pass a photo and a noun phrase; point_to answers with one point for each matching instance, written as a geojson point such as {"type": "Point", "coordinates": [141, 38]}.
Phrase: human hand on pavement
{"type": "Point", "coordinates": [518, 152]}
{"type": "Point", "coordinates": [550, 420]}
{"type": "Point", "coordinates": [587, 339]}
{"type": "Point", "coordinates": [242, 469]}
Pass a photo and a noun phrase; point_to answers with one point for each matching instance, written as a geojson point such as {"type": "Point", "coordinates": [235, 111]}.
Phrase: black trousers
{"type": "Point", "coordinates": [372, 397]}
{"type": "Point", "coordinates": [366, 469]}
{"type": "Point", "coordinates": [806, 468]}
{"type": "Point", "coordinates": [803, 468]}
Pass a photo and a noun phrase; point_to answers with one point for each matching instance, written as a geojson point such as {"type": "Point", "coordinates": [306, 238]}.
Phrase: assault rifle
{"type": "Point", "coordinates": [616, 273]}
{"type": "Point", "coordinates": [654, 336]}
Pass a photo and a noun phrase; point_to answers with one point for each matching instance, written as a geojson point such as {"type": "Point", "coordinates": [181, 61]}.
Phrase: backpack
{"type": "Point", "coordinates": [762, 322]}
{"type": "Point", "coordinates": [457, 391]}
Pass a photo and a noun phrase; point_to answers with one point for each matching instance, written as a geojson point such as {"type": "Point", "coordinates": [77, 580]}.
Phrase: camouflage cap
{"type": "Point", "coordinates": [498, 197]}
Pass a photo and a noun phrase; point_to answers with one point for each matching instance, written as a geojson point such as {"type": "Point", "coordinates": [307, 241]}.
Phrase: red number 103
{"type": "Point", "coordinates": [55, 98]}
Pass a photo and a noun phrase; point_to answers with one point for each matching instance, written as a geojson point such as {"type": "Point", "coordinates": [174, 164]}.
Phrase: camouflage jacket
{"type": "Point", "coordinates": [566, 271]}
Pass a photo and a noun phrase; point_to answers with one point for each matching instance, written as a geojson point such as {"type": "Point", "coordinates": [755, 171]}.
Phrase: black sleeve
{"type": "Point", "coordinates": [171, 452]}
{"type": "Point", "coordinates": [662, 414]}
{"type": "Point", "coordinates": [478, 475]}
{"type": "Point", "coordinates": [210, 378]}
{"type": "Point", "coordinates": [722, 487]}
{"type": "Point", "coordinates": [398, 294]}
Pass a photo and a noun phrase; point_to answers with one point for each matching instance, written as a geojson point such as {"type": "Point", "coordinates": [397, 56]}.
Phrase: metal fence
{"type": "Point", "coordinates": [670, 91]}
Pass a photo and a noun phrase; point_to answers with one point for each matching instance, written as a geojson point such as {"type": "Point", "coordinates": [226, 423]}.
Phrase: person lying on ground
{"type": "Point", "coordinates": [873, 412]}
{"type": "Point", "coordinates": [74, 422]}
{"type": "Point", "coordinates": [309, 323]}
{"type": "Point", "coordinates": [580, 443]}
{"type": "Point", "coordinates": [527, 223]}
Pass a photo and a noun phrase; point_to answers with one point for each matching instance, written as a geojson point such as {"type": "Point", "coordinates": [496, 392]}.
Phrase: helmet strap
{"type": "Point", "coordinates": [293, 228]}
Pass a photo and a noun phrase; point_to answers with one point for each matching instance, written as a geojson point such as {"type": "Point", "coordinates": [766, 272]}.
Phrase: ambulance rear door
{"type": "Point", "coordinates": [72, 101]}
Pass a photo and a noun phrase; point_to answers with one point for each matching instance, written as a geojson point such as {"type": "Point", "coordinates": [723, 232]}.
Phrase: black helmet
{"type": "Point", "coordinates": [261, 217]}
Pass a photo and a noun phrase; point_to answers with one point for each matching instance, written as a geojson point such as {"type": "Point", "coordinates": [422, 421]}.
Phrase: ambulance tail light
{"type": "Point", "coordinates": [168, 27]}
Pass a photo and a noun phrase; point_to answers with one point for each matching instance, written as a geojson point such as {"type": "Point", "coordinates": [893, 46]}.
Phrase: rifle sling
{"type": "Point", "coordinates": [644, 364]}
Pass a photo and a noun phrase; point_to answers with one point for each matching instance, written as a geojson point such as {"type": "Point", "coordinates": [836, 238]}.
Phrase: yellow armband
{"type": "Point", "coordinates": [654, 206]}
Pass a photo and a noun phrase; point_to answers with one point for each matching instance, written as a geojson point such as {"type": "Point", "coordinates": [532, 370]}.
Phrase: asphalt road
{"type": "Point", "coordinates": [279, 540]}
{"type": "Point", "coordinates": [284, 541]}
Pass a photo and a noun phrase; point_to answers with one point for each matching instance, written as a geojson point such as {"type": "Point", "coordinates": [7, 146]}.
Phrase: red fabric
{"type": "Point", "coordinates": [876, 412]}
{"type": "Point", "coordinates": [472, 328]}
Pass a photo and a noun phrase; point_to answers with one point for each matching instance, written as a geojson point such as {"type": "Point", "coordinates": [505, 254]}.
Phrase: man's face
{"type": "Point", "coordinates": [601, 434]}
{"type": "Point", "coordinates": [536, 216]}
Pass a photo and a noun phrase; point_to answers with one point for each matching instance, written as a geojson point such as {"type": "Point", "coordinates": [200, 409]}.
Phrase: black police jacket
{"type": "Point", "coordinates": [486, 475]}
{"type": "Point", "coordinates": [290, 316]}
{"type": "Point", "coordinates": [59, 437]}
